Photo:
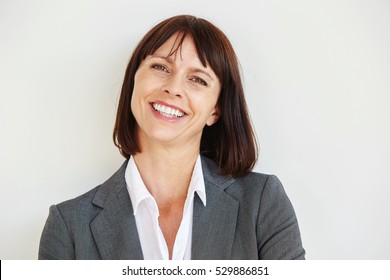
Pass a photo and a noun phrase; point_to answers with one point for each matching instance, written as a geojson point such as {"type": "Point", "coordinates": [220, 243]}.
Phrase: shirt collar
{"type": "Point", "coordinates": [138, 191]}
{"type": "Point", "coordinates": [197, 181]}
{"type": "Point", "coordinates": [135, 186]}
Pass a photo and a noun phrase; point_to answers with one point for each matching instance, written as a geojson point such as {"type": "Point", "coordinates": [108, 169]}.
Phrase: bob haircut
{"type": "Point", "coordinates": [230, 142]}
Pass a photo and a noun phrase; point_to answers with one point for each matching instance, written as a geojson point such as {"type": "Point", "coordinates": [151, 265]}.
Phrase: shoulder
{"type": "Point", "coordinates": [86, 204]}
{"type": "Point", "coordinates": [265, 184]}
{"type": "Point", "coordinates": [259, 179]}
{"type": "Point", "coordinates": [258, 191]}
{"type": "Point", "coordinates": [253, 182]}
{"type": "Point", "coordinates": [67, 231]}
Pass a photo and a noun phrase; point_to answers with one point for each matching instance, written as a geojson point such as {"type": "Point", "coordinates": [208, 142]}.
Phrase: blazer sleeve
{"type": "Point", "coordinates": [277, 226]}
{"type": "Point", "coordinates": [56, 242]}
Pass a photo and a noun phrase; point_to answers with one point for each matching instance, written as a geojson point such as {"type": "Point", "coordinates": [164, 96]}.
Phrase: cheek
{"type": "Point", "coordinates": [212, 100]}
{"type": "Point", "coordinates": [132, 102]}
{"type": "Point", "coordinates": [144, 86]}
{"type": "Point", "coordinates": [134, 96]}
{"type": "Point", "coordinates": [136, 99]}
{"type": "Point", "coordinates": [138, 93]}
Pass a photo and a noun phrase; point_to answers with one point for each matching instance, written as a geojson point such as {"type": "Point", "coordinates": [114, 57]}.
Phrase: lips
{"type": "Point", "coordinates": [167, 111]}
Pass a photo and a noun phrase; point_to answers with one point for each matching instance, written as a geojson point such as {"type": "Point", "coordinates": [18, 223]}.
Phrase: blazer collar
{"type": "Point", "coordinates": [114, 228]}
{"type": "Point", "coordinates": [211, 174]}
{"type": "Point", "coordinates": [214, 226]}
{"type": "Point", "coordinates": [115, 231]}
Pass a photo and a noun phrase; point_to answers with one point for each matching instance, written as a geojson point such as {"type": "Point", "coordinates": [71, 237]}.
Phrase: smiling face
{"type": "Point", "coordinates": [174, 96]}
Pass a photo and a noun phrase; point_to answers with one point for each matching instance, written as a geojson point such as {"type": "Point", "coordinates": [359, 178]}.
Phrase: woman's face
{"type": "Point", "coordinates": [174, 97]}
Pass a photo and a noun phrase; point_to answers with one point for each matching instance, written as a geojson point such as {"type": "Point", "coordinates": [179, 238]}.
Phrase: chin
{"type": "Point", "coordinates": [163, 136]}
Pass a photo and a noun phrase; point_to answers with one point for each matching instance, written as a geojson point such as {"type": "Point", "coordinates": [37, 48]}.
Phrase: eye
{"type": "Point", "coordinates": [160, 67]}
{"type": "Point", "coordinates": [199, 80]}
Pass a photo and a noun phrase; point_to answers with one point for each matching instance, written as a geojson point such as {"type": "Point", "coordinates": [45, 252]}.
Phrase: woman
{"type": "Point", "coordinates": [186, 190]}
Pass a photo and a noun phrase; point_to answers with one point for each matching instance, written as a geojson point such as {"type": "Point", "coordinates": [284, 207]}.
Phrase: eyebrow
{"type": "Point", "coordinates": [193, 69]}
{"type": "Point", "coordinates": [198, 70]}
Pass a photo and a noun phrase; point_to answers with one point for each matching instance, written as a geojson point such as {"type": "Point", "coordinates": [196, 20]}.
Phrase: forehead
{"type": "Point", "coordinates": [177, 46]}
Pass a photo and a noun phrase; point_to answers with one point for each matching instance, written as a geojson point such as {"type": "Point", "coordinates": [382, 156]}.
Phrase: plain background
{"type": "Point", "coordinates": [316, 75]}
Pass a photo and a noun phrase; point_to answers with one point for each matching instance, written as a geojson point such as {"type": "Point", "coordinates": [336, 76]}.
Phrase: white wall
{"type": "Point", "coordinates": [317, 81]}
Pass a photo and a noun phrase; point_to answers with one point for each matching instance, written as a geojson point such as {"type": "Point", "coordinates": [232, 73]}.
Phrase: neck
{"type": "Point", "coordinates": [166, 172]}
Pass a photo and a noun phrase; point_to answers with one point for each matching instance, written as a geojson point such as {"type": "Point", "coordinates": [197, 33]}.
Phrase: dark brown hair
{"type": "Point", "coordinates": [230, 142]}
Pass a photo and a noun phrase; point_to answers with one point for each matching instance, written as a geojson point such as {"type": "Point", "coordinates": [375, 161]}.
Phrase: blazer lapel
{"type": "Point", "coordinates": [114, 228]}
{"type": "Point", "coordinates": [214, 225]}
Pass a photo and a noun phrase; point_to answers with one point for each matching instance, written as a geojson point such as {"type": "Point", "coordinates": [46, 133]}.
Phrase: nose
{"type": "Point", "coordinates": [174, 86]}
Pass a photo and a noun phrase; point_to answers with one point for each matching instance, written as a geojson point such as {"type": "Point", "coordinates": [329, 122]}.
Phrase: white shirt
{"type": "Point", "coordinates": [146, 215]}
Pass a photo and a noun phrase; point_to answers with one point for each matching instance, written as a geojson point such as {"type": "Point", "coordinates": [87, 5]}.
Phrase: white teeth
{"type": "Point", "coordinates": [167, 111]}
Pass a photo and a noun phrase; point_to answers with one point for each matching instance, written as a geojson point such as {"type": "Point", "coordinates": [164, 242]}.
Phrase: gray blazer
{"type": "Point", "coordinates": [246, 218]}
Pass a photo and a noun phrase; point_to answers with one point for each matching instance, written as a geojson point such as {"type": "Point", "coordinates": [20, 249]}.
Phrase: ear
{"type": "Point", "coordinates": [213, 117]}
